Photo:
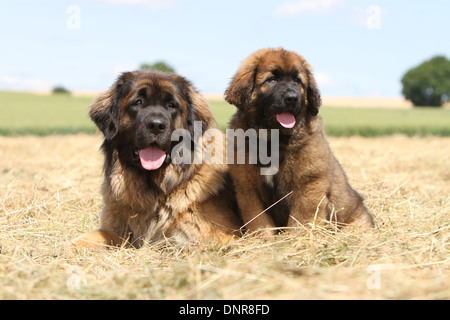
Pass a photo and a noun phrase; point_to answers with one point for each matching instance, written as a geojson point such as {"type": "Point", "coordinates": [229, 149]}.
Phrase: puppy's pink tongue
{"type": "Point", "coordinates": [286, 119]}
{"type": "Point", "coordinates": [152, 158]}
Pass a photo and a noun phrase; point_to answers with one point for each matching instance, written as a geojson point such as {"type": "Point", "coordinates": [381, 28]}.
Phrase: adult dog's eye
{"type": "Point", "coordinates": [298, 80]}
{"type": "Point", "coordinates": [272, 79]}
{"type": "Point", "coordinates": [138, 103]}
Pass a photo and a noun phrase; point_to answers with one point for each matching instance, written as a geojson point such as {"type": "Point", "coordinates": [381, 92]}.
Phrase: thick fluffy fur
{"type": "Point", "coordinates": [270, 82]}
{"type": "Point", "coordinates": [189, 203]}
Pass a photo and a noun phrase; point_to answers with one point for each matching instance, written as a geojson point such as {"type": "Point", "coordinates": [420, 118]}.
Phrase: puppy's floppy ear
{"type": "Point", "coordinates": [239, 92]}
{"type": "Point", "coordinates": [105, 110]}
{"type": "Point", "coordinates": [314, 101]}
{"type": "Point", "coordinates": [313, 96]}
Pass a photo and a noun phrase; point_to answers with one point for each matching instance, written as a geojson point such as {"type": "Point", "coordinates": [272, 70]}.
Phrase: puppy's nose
{"type": "Point", "coordinates": [156, 125]}
{"type": "Point", "coordinates": [291, 99]}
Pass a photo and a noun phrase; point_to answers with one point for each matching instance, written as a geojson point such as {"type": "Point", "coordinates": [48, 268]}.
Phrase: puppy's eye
{"type": "Point", "coordinates": [272, 79]}
{"type": "Point", "coordinates": [172, 104]}
{"type": "Point", "coordinates": [298, 80]}
{"type": "Point", "coordinates": [138, 103]}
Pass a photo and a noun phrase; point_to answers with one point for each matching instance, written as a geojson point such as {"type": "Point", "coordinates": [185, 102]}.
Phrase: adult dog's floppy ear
{"type": "Point", "coordinates": [105, 110]}
{"type": "Point", "coordinates": [239, 92]}
{"type": "Point", "coordinates": [197, 109]}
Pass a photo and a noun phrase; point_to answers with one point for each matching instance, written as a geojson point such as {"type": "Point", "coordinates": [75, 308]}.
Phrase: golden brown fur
{"type": "Point", "coordinates": [308, 168]}
{"type": "Point", "coordinates": [187, 203]}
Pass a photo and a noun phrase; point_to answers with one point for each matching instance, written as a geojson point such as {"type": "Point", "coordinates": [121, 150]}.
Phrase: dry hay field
{"type": "Point", "coordinates": [49, 193]}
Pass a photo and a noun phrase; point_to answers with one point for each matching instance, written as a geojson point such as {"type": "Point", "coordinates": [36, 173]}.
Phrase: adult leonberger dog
{"type": "Point", "coordinates": [147, 195]}
{"type": "Point", "coordinates": [275, 89]}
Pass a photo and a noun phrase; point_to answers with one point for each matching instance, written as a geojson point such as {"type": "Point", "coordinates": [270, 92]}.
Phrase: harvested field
{"type": "Point", "coordinates": [49, 194]}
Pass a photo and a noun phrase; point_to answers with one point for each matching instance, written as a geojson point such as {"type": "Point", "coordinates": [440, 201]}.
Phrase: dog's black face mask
{"type": "Point", "coordinates": [152, 121]}
{"type": "Point", "coordinates": [139, 113]}
{"type": "Point", "coordinates": [279, 100]}
{"type": "Point", "coordinates": [275, 89]}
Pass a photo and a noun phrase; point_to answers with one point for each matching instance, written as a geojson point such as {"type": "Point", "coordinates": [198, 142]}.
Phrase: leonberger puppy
{"type": "Point", "coordinates": [275, 89]}
{"type": "Point", "coordinates": [147, 195]}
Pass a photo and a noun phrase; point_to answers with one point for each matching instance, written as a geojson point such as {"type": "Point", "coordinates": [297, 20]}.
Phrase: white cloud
{"type": "Point", "coordinates": [149, 4]}
{"type": "Point", "coordinates": [302, 7]}
{"type": "Point", "coordinates": [325, 80]}
{"type": "Point", "coordinates": [17, 82]}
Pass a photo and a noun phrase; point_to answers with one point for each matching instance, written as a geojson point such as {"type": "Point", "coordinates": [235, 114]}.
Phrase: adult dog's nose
{"type": "Point", "coordinates": [156, 125]}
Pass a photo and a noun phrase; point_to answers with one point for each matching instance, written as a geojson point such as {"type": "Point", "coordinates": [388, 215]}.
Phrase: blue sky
{"type": "Point", "coordinates": [356, 47]}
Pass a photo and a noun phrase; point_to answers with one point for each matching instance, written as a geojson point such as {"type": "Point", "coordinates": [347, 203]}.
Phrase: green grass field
{"type": "Point", "coordinates": [26, 113]}
{"type": "Point", "coordinates": [367, 122]}
{"type": "Point", "coordinates": [49, 194]}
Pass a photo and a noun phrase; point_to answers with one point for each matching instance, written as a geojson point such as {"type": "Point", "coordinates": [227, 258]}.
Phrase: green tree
{"type": "Point", "coordinates": [429, 83]}
{"type": "Point", "coordinates": [60, 89]}
{"type": "Point", "coordinates": [159, 66]}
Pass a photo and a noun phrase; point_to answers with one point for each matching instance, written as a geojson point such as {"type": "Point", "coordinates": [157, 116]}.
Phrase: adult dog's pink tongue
{"type": "Point", "coordinates": [286, 119]}
{"type": "Point", "coordinates": [152, 158]}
